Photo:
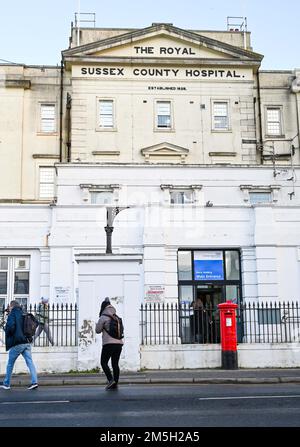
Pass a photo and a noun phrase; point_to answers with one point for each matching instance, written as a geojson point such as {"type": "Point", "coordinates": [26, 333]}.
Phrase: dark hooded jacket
{"type": "Point", "coordinates": [14, 334]}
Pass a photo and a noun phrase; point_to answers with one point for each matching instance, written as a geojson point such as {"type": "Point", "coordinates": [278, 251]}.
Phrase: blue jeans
{"type": "Point", "coordinates": [13, 354]}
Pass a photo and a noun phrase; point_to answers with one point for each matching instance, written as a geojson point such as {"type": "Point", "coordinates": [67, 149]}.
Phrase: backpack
{"type": "Point", "coordinates": [116, 328]}
{"type": "Point", "coordinates": [30, 323]}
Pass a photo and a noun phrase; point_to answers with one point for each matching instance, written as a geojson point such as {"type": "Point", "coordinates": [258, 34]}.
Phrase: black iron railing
{"type": "Point", "coordinates": [60, 328]}
{"type": "Point", "coordinates": [256, 323]}
{"type": "Point", "coordinates": [271, 322]}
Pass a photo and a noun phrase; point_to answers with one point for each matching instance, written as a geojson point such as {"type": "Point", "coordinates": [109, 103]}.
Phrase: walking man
{"type": "Point", "coordinates": [111, 347]}
{"type": "Point", "coordinates": [16, 343]}
{"type": "Point", "coordinates": [42, 316]}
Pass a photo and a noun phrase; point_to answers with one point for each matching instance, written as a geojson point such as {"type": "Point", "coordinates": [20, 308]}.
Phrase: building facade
{"type": "Point", "coordinates": [200, 147]}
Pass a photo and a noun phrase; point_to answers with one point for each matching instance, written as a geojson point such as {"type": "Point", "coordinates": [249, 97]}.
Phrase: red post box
{"type": "Point", "coordinates": [228, 335]}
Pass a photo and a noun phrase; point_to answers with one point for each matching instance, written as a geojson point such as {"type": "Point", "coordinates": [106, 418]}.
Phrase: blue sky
{"type": "Point", "coordinates": [35, 31]}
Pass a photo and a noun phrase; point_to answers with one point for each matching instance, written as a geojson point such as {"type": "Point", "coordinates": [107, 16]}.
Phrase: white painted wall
{"type": "Point", "coordinates": [265, 355]}
{"type": "Point", "coordinates": [46, 360]}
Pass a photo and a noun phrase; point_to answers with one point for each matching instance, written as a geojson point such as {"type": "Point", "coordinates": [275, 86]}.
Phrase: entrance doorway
{"type": "Point", "coordinates": [207, 278]}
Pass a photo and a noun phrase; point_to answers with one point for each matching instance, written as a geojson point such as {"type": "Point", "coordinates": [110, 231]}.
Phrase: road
{"type": "Point", "coordinates": [153, 406]}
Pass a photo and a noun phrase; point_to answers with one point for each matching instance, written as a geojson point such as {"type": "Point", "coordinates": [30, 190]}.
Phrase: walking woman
{"type": "Point", "coordinates": [111, 347]}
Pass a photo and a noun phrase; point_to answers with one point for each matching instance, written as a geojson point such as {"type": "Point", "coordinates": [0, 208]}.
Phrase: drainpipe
{"type": "Point", "coordinates": [259, 119]}
{"type": "Point", "coordinates": [69, 106]}
{"type": "Point", "coordinates": [61, 111]}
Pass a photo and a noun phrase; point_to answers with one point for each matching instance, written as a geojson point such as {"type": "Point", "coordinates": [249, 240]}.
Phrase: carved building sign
{"type": "Point", "coordinates": [160, 73]}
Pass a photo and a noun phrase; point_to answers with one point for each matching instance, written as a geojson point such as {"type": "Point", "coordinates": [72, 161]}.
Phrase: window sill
{"type": "Point", "coordinates": [47, 134]}
{"type": "Point", "coordinates": [158, 129]}
{"type": "Point", "coordinates": [221, 130]}
{"type": "Point", "coordinates": [106, 129]}
{"type": "Point", "coordinates": [180, 205]}
{"type": "Point", "coordinates": [274, 137]}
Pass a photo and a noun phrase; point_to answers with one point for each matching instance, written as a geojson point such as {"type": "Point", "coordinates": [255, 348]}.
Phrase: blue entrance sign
{"type": "Point", "coordinates": [208, 266]}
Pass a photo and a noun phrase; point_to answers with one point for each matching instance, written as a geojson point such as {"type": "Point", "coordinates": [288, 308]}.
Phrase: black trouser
{"type": "Point", "coordinates": [113, 351]}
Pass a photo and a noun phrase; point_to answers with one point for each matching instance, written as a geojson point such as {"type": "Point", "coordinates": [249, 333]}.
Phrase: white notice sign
{"type": "Point", "coordinates": [62, 295]}
{"type": "Point", "coordinates": [154, 294]}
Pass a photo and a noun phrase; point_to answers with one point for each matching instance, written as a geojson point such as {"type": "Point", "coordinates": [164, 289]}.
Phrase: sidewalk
{"type": "Point", "coordinates": [204, 376]}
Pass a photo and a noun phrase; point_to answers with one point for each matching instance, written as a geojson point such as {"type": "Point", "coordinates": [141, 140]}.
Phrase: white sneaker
{"type": "Point", "coordinates": [33, 386]}
{"type": "Point", "coordinates": [5, 387]}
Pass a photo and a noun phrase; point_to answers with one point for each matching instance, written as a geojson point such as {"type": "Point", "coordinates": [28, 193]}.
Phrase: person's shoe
{"type": "Point", "coordinates": [33, 386]}
{"type": "Point", "coordinates": [5, 387]}
{"type": "Point", "coordinates": [111, 385]}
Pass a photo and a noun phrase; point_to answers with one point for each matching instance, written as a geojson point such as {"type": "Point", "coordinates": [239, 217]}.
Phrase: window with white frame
{"type": "Point", "coordinates": [260, 197]}
{"type": "Point", "coordinates": [48, 118]}
{"type": "Point", "coordinates": [47, 180]}
{"type": "Point", "coordinates": [220, 115]}
{"type": "Point", "coordinates": [273, 121]}
{"type": "Point", "coordinates": [181, 197]}
{"type": "Point", "coordinates": [256, 194]}
{"type": "Point", "coordinates": [106, 114]}
{"type": "Point", "coordinates": [163, 115]}
{"type": "Point", "coordinates": [101, 197]}
{"type": "Point", "coordinates": [14, 279]}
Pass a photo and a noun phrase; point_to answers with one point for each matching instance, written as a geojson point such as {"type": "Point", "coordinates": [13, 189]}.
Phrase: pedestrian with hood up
{"type": "Point", "coordinates": [111, 347]}
{"type": "Point", "coordinates": [42, 315]}
{"type": "Point", "coordinates": [16, 344]}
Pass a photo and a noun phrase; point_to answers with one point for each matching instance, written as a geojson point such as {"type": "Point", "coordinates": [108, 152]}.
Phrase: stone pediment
{"type": "Point", "coordinates": [165, 152]}
{"type": "Point", "coordinates": [161, 41]}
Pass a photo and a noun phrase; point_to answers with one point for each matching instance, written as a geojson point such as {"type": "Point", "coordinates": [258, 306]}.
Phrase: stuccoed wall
{"type": "Point", "coordinates": [266, 355]}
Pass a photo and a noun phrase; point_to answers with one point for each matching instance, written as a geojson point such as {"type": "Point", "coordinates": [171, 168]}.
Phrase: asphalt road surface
{"type": "Point", "coordinates": [152, 406]}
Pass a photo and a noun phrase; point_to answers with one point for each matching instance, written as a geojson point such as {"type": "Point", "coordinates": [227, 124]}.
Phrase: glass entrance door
{"type": "Point", "coordinates": [207, 278]}
{"type": "Point", "coordinates": [206, 312]}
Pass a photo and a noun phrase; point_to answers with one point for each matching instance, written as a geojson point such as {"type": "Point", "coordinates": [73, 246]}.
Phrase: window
{"type": "Point", "coordinates": [106, 113]}
{"type": "Point", "coordinates": [232, 263]}
{"type": "Point", "coordinates": [47, 183]}
{"type": "Point", "coordinates": [102, 197]}
{"type": "Point", "coordinates": [163, 115]}
{"type": "Point", "coordinates": [48, 118]}
{"type": "Point", "coordinates": [184, 265]}
{"type": "Point", "coordinates": [254, 194]}
{"type": "Point", "coordinates": [260, 197]}
{"type": "Point", "coordinates": [21, 283]}
{"type": "Point", "coordinates": [269, 316]}
{"type": "Point", "coordinates": [274, 126]}
{"type": "Point", "coordinates": [181, 197]}
{"type": "Point", "coordinates": [3, 283]}
{"type": "Point", "coordinates": [220, 115]}
{"type": "Point", "coordinates": [14, 279]}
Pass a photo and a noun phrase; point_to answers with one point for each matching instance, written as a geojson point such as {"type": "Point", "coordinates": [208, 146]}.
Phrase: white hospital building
{"type": "Point", "coordinates": [183, 130]}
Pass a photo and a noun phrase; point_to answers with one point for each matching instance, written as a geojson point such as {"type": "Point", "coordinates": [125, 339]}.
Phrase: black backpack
{"type": "Point", "coordinates": [30, 323]}
{"type": "Point", "coordinates": [116, 328]}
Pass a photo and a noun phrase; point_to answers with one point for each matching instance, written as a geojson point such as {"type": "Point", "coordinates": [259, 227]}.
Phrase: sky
{"type": "Point", "coordinates": [34, 32]}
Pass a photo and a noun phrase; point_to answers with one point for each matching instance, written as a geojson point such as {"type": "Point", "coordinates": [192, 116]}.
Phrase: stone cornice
{"type": "Point", "coordinates": [208, 62]}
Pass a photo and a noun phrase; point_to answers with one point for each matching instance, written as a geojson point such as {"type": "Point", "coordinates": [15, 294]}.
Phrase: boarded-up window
{"type": "Point", "coordinates": [220, 115]}
{"type": "Point", "coordinates": [48, 118]}
{"type": "Point", "coordinates": [106, 113]}
{"type": "Point", "coordinates": [163, 110]}
{"type": "Point", "coordinates": [274, 121]}
{"type": "Point", "coordinates": [47, 183]}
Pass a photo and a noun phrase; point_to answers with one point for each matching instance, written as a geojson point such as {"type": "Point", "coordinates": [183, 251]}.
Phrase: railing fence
{"type": "Point", "coordinates": [61, 322]}
{"type": "Point", "coordinates": [256, 323]}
